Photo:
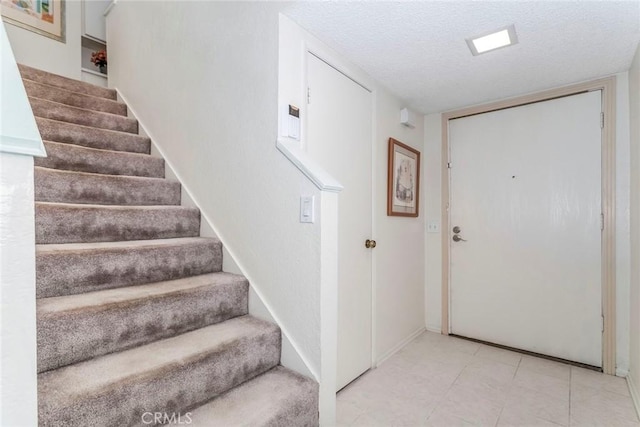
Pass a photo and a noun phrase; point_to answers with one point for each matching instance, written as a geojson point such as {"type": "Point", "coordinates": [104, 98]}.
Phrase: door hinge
{"type": "Point", "coordinates": [602, 318]}
{"type": "Point", "coordinates": [449, 165]}
{"type": "Point", "coordinates": [308, 95]}
{"type": "Point", "coordinates": [602, 120]}
{"type": "Point", "coordinates": [601, 221]}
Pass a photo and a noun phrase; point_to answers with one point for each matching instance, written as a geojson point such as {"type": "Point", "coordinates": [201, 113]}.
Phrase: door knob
{"type": "Point", "coordinates": [457, 238]}
{"type": "Point", "coordinates": [456, 230]}
{"type": "Point", "coordinates": [370, 244]}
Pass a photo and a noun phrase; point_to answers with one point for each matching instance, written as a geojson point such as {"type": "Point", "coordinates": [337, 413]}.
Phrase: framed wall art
{"type": "Point", "coordinates": [45, 17]}
{"type": "Point", "coordinates": [403, 188]}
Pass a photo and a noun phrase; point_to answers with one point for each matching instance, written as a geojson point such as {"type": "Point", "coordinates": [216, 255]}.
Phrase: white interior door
{"type": "Point", "coordinates": [526, 194]}
{"type": "Point", "coordinates": [339, 137]}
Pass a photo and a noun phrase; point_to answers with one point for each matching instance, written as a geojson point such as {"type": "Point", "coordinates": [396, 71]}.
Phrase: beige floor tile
{"type": "Point", "coordinates": [587, 399]}
{"type": "Point", "coordinates": [546, 367]}
{"type": "Point", "coordinates": [470, 406]}
{"type": "Point", "coordinates": [484, 385]}
{"type": "Point", "coordinates": [347, 412]}
{"type": "Point", "coordinates": [497, 372]}
{"type": "Point", "coordinates": [444, 381]}
{"type": "Point", "coordinates": [499, 355]}
{"type": "Point", "coordinates": [511, 417]}
{"type": "Point", "coordinates": [583, 414]}
{"type": "Point", "coordinates": [588, 378]}
{"type": "Point", "coordinates": [442, 418]}
{"type": "Point", "coordinates": [534, 404]}
{"type": "Point", "coordinates": [554, 387]}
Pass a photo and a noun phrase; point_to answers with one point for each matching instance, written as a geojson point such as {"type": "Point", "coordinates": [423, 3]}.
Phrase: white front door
{"type": "Point", "coordinates": [339, 137]}
{"type": "Point", "coordinates": [526, 195]}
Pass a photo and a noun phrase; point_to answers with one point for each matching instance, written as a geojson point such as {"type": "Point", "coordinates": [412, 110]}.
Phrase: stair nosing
{"type": "Point", "coordinates": [68, 79]}
{"type": "Point", "coordinates": [117, 207]}
{"type": "Point", "coordinates": [130, 119]}
{"type": "Point", "coordinates": [46, 248]}
{"type": "Point", "coordinates": [114, 101]}
{"type": "Point", "coordinates": [167, 360]}
{"type": "Point", "coordinates": [64, 145]}
{"type": "Point", "coordinates": [92, 127]}
{"type": "Point", "coordinates": [135, 177]}
{"type": "Point", "coordinates": [134, 293]}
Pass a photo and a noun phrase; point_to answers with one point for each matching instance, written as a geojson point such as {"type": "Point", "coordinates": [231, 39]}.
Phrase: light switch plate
{"type": "Point", "coordinates": [306, 209]}
{"type": "Point", "coordinates": [433, 226]}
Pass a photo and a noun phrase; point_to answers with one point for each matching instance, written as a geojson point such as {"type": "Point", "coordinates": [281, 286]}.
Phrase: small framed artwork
{"type": "Point", "coordinates": [403, 189]}
{"type": "Point", "coordinates": [45, 17]}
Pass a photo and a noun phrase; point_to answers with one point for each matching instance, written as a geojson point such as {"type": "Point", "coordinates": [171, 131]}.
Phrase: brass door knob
{"type": "Point", "coordinates": [370, 244]}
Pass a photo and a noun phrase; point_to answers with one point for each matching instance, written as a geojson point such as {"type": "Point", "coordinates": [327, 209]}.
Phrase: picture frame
{"type": "Point", "coordinates": [44, 17]}
{"type": "Point", "coordinates": [403, 183]}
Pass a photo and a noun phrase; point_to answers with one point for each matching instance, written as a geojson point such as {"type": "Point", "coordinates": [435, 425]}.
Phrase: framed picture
{"type": "Point", "coordinates": [45, 17]}
{"type": "Point", "coordinates": [403, 189]}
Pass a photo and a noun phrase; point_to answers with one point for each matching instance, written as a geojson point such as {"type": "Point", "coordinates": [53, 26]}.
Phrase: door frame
{"type": "Point", "coordinates": [608, 173]}
{"type": "Point", "coordinates": [352, 73]}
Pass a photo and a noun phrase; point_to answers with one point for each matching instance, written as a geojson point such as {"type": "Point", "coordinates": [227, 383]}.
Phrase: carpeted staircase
{"type": "Point", "coordinates": [137, 324]}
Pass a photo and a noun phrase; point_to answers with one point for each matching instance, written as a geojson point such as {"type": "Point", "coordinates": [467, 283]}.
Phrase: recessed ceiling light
{"type": "Point", "coordinates": [493, 40]}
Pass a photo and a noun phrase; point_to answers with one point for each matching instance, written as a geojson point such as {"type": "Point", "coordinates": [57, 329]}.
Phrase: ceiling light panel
{"type": "Point", "coordinates": [495, 40]}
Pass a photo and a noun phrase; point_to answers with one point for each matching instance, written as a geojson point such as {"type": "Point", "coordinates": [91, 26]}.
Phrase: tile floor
{"type": "Point", "coordinates": [445, 381]}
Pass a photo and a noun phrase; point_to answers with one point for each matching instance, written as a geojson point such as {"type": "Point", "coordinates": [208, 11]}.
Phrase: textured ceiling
{"type": "Point", "coordinates": [418, 49]}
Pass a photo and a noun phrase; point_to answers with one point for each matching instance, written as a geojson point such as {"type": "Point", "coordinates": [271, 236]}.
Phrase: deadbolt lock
{"type": "Point", "coordinates": [370, 244]}
{"type": "Point", "coordinates": [456, 229]}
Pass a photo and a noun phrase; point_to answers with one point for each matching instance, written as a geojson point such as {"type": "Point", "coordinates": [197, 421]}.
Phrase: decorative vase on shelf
{"type": "Point", "coordinates": [103, 69]}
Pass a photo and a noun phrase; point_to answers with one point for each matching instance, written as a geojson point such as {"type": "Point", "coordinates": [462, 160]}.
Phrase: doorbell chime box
{"type": "Point", "coordinates": [290, 122]}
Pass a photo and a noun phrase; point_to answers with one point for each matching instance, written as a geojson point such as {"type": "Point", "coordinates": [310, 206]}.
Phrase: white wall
{"type": "Point", "coordinates": [432, 192]}
{"type": "Point", "coordinates": [212, 110]}
{"type": "Point", "coordinates": [398, 259]}
{"type": "Point", "coordinates": [634, 327]}
{"type": "Point", "coordinates": [47, 54]}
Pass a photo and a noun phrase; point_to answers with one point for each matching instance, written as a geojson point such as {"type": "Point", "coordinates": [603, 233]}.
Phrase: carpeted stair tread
{"type": "Point", "coordinates": [74, 328]}
{"type": "Point", "coordinates": [75, 99]}
{"type": "Point", "coordinates": [170, 375]}
{"type": "Point", "coordinates": [92, 160]}
{"type": "Point", "coordinates": [279, 397]}
{"type": "Point", "coordinates": [77, 223]}
{"type": "Point", "coordinates": [87, 136]}
{"type": "Point", "coordinates": [65, 82]}
{"type": "Point", "coordinates": [54, 185]}
{"type": "Point", "coordinates": [73, 268]}
{"type": "Point", "coordinates": [66, 113]}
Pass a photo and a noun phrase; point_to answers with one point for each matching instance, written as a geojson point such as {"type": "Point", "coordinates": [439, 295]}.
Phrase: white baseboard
{"type": "Point", "coordinates": [621, 372]}
{"type": "Point", "coordinates": [634, 395]}
{"type": "Point", "coordinates": [434, 328]}
{"type": "Point", "coordinates": [399, 346]}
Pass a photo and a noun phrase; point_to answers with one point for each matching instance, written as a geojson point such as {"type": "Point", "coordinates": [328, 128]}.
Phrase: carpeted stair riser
{"type": "Point", "coordinates": [82, 159]}
{"type": "Point", "coordinates": [65, 83]}
{"type": "Point", "coordinates": [52, 185]}
{"type": "Point", "coordinates": [75, 99]}
{"type": "Point", "coordinates": [86, 136]}
{"type": "Point", "coordinates": [71, 223]}
{"type": "Point", "coordinates": [279, 397]}
{"type": "Point", "coordinates": [65, 113]}
{"type": "Point", "coordinates": [75, 268]}
{"type": "Point", "coordinates": [79, 327]}
{"type": "Point", "coordinates": [171, 375]}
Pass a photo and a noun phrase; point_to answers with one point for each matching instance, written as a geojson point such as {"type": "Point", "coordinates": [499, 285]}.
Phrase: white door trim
{"type": "Point", "coordinates": [608, 87]}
